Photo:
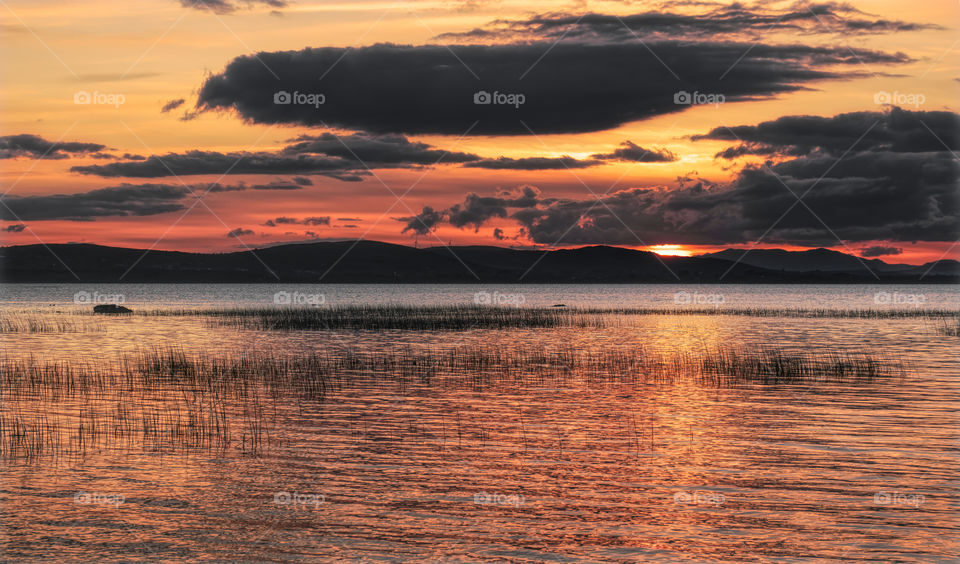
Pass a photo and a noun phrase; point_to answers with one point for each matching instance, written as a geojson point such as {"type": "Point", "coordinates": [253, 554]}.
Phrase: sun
{"type": "Point", "coordinates": [670, 250]}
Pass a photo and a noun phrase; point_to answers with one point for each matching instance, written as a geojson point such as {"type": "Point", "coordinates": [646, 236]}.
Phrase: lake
{"type": "Point", "coordinates": [184, 435]}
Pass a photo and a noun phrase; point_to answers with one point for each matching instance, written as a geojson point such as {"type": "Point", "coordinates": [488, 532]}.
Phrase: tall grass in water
{"type": "Point", "coordinates": [166, 399]}
{"type": "Point", "coordinates": [462, 318]}
{"type": "Point", "coordinates": [382, 318]}
{"type": "Point", "coordinates": [949, 327]}
{"type": "Point", "coordinates": [829, 313]}
{"type": "Point", "coordinates": [22, 323]}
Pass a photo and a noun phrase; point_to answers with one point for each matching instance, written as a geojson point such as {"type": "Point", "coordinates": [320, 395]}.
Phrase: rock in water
{"type": "Point", "coordinates": [111, 308]}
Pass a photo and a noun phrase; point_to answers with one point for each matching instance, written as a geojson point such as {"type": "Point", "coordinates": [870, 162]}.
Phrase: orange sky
{"type": "Point", "coordinates": [153, 51]}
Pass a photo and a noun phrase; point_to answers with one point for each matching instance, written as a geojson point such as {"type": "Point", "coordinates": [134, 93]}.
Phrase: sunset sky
{"type": "Point", "coordinates": [682, 127]}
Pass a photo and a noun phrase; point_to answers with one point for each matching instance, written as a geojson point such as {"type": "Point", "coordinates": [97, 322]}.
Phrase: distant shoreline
{"type": "Point", "coordinates": [371, 262]}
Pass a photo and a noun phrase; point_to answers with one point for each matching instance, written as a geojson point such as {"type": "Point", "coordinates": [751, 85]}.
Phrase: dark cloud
{"type": "Point", "coordinates": [894, 188]}
{"type": "Point", "coordinates": [356, 219]}
{"type": "Point", "coordinates": [123, 200]}
{"type": "Point", "coordinates": [210, 162]}
{"type": "Point", "coordinates": [15, 228]}
{"type": "Point", "coordinates": [133, 157]}
{"type": "Point", "coordinates": [172, 105]}
{"type": "Point", "coordinates": [474, 211]}
{"type": "Point", "coordinates": [34, 147]}
{"type": "Point", "coordinates": [730, 21]}
{"type": "Point", "coordinates": [354, 176]}
{"type": "Point", "coordinates": [630, 151]}
{"type": "Point", "coordinates": [375, 151]}
{"type": "Point", "coordinates": [344, 158]}
{"type": "Point", "coordinates": [896, 130]}
{"type": "Point", "coordinates": [532, 163]}
{"type": "Point", "coordinates": [239, 232]}
{"type": "Point", "coordinates": [302, 180]}
{"type": "Point", "coordinates": [189, 115]}
{"type": "Point", "coordinates": [278, 185]}
{"type": "Point", "coordinates": [223, 7]}
{"type": "Point", "coordinates": [880, 251]}
{"type": "Point", "coordinates": [424, 222]}
{"type": "Point", "coordinates": [280, 221]}
{"type": "Point", "coordinates": [388, 88]}
{"type": "Point", "coordinates": [313, 221]}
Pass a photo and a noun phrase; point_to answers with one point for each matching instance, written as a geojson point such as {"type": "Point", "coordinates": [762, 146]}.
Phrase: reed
{"type": "Point", "coordinates": [949, 327]}
{"type": "Point", "coordinates": [852, 313]}
{"type": "Point", "coordinates": [23, 323]}
{"type": "Point", "coordinates": [465, 318]}
{"type": "Point", "coordinates": [385, 318]}
{"type": "Point", "coordinates": [168, 400]}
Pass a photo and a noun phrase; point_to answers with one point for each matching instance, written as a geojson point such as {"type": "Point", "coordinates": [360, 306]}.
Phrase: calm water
{"type": "Point", "coordinates": [571, 469]}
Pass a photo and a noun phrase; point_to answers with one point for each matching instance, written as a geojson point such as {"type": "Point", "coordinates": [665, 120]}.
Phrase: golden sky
{"type": "Point", "coordinates": [151, 52]}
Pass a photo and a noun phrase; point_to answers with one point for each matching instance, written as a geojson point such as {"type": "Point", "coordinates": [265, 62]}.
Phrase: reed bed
{"type": "Point", "coordinates": [21, 323]}
{"type": "Point", "coordinates": [385, 318]}
{"type": "Point", "coordinates": [169, 400]}
{"type": "Point", "coordinates": [949, 327]}
{"type": "Point", "coordinates": [464, 318]}
{"type": "Point", "coordinates": [852, 313]}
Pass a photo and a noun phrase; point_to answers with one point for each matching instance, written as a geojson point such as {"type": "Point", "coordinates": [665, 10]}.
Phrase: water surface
{"type": "Point", "coordinates": [455, 469]}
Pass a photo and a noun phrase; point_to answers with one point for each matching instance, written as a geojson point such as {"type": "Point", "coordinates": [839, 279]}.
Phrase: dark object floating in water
{"type": "Point", "coordinates": [111, 308]}
{"type": "Point", "coordinates": [559, 305]}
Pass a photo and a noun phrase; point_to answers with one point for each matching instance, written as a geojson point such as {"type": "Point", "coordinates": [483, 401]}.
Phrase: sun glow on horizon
{"type": "Point", "coordinates": [671, 250]}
